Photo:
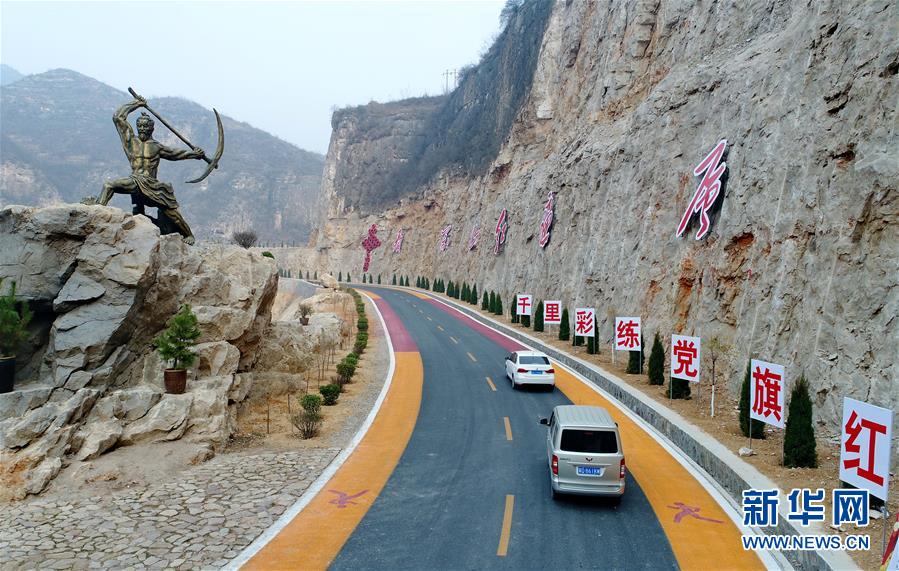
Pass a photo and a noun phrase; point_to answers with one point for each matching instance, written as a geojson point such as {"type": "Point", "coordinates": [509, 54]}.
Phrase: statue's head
{"type": "Point", "coordinates": [144, 127]}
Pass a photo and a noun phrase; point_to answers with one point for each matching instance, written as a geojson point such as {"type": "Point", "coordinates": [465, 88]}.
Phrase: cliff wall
{"type": "Point", "coordinates": [800, 266]}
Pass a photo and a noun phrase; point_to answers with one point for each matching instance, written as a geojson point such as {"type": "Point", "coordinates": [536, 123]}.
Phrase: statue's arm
{"type": "Point", "coordinates": [171, 154]}
{"type": "Point", "coordinates": [122, 126]}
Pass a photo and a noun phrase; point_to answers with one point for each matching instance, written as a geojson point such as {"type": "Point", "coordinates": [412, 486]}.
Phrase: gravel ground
{"type": "Point", "coordinates": [199, 518]}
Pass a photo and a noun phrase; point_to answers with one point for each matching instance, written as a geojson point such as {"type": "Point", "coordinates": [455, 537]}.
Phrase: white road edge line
{"type": "Point", "coordinates": [772, 560]}
{"type": "Point", "coordinates": [319, 483]}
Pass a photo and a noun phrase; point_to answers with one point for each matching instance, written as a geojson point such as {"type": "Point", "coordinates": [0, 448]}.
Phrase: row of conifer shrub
{"type": "Point", "coordinates": [799, 437]}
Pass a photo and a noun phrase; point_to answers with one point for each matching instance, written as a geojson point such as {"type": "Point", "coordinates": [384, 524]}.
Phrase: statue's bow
{"type": "Point", "coordinates": [214, 161]}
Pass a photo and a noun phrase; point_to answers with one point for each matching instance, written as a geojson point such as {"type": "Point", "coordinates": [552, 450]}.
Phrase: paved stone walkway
{"type": "Point", "coordinates": [200, 520]}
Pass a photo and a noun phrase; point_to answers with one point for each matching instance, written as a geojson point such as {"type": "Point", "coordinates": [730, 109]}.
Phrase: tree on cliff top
{"type": "Point", "coordinates": [244, 238]}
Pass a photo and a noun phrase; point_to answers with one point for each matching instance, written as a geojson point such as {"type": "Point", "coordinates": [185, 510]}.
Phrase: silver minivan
{"type": "Point", "coordinates": [583, 449]}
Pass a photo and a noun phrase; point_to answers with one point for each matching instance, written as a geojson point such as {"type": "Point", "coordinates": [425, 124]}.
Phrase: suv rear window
{"type": "Point", "coordinates": [531, 360]}
{"type": "Point", "coordinates": [592, 441]}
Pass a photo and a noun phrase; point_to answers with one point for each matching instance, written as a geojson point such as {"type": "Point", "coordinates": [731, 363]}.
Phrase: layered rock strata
{"type": "Point", "coordinates": [102, 285]}
{"type": "Point", "coordinates": [800, 266]}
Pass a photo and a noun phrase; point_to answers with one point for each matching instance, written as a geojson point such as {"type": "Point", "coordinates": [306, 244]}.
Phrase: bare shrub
{"type": "Point", "coordinates": [244, 238]}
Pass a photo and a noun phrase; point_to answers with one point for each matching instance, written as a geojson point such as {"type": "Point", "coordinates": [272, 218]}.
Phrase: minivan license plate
{"type": "Point", "coordinates": [589, 471]}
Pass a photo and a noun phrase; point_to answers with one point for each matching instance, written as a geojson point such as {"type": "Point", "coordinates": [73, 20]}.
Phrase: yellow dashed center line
{"type": "Point", "coordinates": [490, 382]}
{"type": "Point", "coordinates": [508, 428]}
{"type": "Point", "coordinates": [453, 339]}
{"type": "Point", "coordinates": [507, 527]}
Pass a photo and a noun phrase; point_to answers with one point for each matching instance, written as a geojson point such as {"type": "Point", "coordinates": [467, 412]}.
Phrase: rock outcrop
{"type": "Point", "coordinates": [627, 98]}
{"type": "Point", "coordinates": [102, 284]}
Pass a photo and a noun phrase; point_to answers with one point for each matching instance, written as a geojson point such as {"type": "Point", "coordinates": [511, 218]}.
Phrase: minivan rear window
{"type": "Point", "coordinates": [592, 441]}
{"type": "Point", "coordinates": [532, 360]}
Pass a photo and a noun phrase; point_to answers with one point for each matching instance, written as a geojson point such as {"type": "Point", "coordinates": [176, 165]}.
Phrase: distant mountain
{"type": "Point", "coordinates": [58, 143]}
{"type": "Point", "coordinates": [8, 75]}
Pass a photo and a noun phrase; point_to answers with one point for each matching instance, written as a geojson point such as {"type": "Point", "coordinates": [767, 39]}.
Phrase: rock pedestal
{"type": "Point", "coordinates": [103, 284]}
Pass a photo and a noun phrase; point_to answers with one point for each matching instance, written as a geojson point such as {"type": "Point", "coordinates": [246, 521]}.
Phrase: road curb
{"type": "Point", "coordinates": [318, 484]}
{"type": "Point", "coordinates": [723, 466]}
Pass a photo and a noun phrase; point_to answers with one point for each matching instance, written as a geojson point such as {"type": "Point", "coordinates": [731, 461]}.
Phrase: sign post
{"type": "Point", "coordinates": [585, 322]}
{"type": "Point", "coordinates": [865, 451]}
{"type": "Point", "coordinates": [766, 394]}
{"type": "Point", "coordinates": [685, 359]}
{"type": "Point", "coordinates": [552, 312]}
{"type": "Point", "coordinates": [628, 336]}
{"type": "Point", "coordinates": [524, 304]}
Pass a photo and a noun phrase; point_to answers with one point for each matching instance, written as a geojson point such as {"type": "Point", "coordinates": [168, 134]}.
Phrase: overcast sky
{"type": "Point", "coordinates": [281, 66]}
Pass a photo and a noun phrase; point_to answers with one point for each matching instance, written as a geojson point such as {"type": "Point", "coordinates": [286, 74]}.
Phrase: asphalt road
{"type": "Point", "coordinates": [444, 505]}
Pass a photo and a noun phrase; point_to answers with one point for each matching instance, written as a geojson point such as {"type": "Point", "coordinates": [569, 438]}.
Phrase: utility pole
{"type": "Point", "coordinates": [450, 73]}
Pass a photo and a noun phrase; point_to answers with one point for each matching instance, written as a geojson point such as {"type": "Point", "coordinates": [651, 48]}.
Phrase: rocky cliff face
{"type": "Point", "coordinates": [59, 145]}
{"type": "Point", "coordinates": [102, 285]}
{"type": "Point", "coordinates": [800, 266]}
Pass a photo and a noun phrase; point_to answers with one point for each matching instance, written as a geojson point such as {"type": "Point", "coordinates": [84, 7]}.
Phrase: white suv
{"type": "Point", "coordinates": [530, 368]}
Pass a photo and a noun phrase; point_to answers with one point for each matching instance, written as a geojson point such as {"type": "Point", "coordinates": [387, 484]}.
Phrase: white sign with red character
{"type": "Point", "coordinates": [767, 385]}
{"type": "Point", "coordinates": [524, 304]}
{"type": "Point", "coordinates": [552, 312]}
{"type": "Point", "coordinates": [865, 446]}
{"type": "Point", "coordinates": [627, 334]}
{"type": "Point", "coordinates": [685, 358]}
{"type": "Point", "coordinates": [585, 322]}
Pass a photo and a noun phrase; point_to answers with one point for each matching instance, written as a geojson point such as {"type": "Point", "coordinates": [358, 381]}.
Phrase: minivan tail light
{"type": "Point", "coordinates": [555, 465]}
{"type": "Point", "coordinates": [520, 370]}
{"type": "Point", "coordinates": [621, 471]}
{"type": "Point", "coordinates": [550, 370]}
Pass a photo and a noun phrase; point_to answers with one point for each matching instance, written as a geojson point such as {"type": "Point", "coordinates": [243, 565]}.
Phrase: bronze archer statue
{"type": "Point", "coordinates": [144, 154]}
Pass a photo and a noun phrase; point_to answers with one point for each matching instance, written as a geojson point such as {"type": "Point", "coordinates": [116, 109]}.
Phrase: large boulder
{"type": "Point", "coordinates": [287, 348]}
{"type": "Point", "coordinates": [98, 437]}
{"type": "Point", "coordinates": [103, 284]}
{"type": "Point", "coordinates": [329, 282]}
{"type": "Point", "coordinates": [167, 420]}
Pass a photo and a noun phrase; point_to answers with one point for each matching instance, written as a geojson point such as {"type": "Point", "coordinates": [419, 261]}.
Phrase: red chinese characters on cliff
{"type": "Point", "coordinates": [546, 224]}
{"type": "Point", "coordinates": [502, 226]}
{"type": "Point", "coordinates": [474, 237]}
{"type": "Point", "coordinates": [398, 241]}
{"type": "Point", "coordinates": [445, 237]}
{"type": "Point", "coordinates": [369, 244]}
{"type": "Point", "coordinates": [711, 169]}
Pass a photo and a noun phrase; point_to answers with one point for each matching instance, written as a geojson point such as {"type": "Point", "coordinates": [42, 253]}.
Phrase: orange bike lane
{"type": "Point", "coordinates": [701, 534]}
{"type": "Point", "coordinates": [316, 534]}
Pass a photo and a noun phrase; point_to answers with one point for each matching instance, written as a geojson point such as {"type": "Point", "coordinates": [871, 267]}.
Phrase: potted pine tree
{"type": "Point", "coordinates": [305, 310]}
{"type": "Point", "coordinates": [14, 319]}
{"type": "Point", "coordinates": [174, 345]}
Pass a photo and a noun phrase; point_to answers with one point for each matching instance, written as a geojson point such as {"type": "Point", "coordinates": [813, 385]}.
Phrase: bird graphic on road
{"type": "Point", "coordinates": [343, 499]}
